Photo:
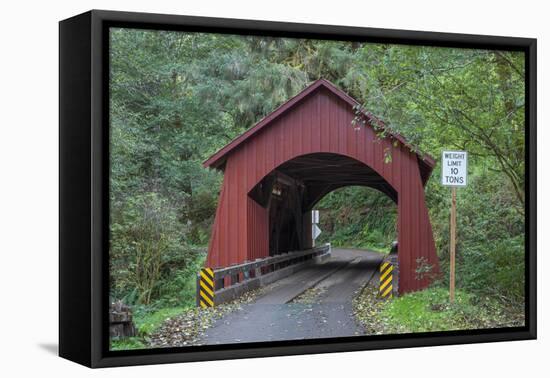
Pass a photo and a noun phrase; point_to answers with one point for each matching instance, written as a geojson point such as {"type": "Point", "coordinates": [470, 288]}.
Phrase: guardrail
{"type": "Point", "coordinates": [233, 281]}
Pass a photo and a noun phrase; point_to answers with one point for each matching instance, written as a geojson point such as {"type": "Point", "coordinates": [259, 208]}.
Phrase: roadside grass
{"type": "Point", "coordinates": [177, 326]}
{"type": "Point", "coordinates": [150, 322]}
{"type": "Point", "coordinates": [373, 247]}
{"type": "Point", "coordinates": [429, 310]}
{"type": "Point", "coordinates": [176, 297]}
{"type": "Point", "coordinates": [377, 247]}
{"type": "Point", "coordinates": [147, 321]}
{"type": "Point", "coordinates": [128, 344]}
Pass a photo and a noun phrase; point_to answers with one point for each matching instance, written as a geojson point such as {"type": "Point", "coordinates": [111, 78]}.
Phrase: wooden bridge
{"type": "Point", "coordinates": [277, 171]}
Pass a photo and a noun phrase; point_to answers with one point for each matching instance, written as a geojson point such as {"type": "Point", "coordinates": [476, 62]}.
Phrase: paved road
{"type": "Point", "coordinates": [286, 312]}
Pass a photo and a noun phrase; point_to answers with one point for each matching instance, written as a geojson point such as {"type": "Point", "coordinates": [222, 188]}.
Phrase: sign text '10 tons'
{"type": "Point", "coordinates": [454, 170]}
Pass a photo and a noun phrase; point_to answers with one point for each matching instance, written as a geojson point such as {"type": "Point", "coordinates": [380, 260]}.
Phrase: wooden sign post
{"type": "Point", "coordinates": [454, 173]}
{"type": "Point", "coordinates": [452, 247]}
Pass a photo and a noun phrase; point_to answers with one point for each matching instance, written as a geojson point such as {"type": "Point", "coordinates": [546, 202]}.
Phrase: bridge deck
{"type": "Point", "coordinates": [325, 313]}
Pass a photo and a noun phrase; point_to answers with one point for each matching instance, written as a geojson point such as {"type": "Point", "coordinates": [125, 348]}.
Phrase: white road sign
{"type": "Point", "coordinates": [454, 168]}
{"type": "Point", "coordinates": [315, 231]}
{"type": "Point", "coordinates": [314, 216]}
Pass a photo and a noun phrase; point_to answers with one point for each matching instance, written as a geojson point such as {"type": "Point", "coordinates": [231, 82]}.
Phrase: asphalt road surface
{"type": "Point", "coordinates": [315, 302]}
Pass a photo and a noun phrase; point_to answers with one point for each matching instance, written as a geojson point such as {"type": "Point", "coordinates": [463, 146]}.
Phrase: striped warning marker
{"type": "Point", "coordinates": [386, 278]}
{"type": "Point", "coordinates": [206, 292]}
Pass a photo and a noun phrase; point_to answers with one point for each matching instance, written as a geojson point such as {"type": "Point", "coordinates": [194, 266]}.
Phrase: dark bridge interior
{"type": "Point", "coordinates": [293, 189]}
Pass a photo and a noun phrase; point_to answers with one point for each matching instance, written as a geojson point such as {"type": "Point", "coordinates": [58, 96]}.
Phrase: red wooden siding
{"type": "Point", "coordinates": [318, 122]}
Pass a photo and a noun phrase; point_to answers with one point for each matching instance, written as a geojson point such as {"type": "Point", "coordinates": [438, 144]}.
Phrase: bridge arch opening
{"type": "Point", "coordinates": [294, 188]}
{"type": "Point", "coordinates": [358, 217]}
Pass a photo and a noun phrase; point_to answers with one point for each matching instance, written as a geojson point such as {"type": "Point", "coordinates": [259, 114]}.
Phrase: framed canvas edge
{"type": "Point", "coordinates": [98, 262]}
{"type": "Point", "coordinates": [75, 271]}
{"type": "Point", "coordinates": [412, 341]}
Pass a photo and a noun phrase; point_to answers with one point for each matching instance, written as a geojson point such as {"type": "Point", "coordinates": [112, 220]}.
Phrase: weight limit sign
{"type": "Point", "coordinates": [454, 169]}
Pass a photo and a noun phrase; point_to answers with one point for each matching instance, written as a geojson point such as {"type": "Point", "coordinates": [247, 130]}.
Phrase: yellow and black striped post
{"type": "Point", "coordinates": [386, 278]}
{"type": "Point", "coordinates": [206, 288]}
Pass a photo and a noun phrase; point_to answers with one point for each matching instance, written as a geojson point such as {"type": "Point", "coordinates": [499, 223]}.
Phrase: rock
{"type": "Point", "coordinates": [120, 321]}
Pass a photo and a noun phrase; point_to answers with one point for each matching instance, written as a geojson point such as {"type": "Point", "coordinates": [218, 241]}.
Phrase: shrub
{"type": "Point", "coordinates": [143, 239]}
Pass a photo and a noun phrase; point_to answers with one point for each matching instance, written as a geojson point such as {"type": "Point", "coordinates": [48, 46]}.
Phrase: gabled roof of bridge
{"type": "Point", "coordinates": [217, 160]}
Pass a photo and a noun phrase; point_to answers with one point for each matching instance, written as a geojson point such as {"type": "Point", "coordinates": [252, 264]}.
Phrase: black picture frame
{"type": "Point", "coordinates": [84, 179]}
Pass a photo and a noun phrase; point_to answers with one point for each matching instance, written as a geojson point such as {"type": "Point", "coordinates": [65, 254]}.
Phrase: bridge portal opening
{"type": "Point", "coordinates": [294, 188]}
{"type": "Point", "coordinates": [358, 217]}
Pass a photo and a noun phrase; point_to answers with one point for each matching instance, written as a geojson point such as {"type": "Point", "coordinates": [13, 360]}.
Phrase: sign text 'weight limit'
{"type": "Point", "coordinates": [454, 169]}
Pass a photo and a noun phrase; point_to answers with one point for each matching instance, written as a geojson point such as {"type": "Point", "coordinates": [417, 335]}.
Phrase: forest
{"type": "Point", "coordinates": [176, 98]}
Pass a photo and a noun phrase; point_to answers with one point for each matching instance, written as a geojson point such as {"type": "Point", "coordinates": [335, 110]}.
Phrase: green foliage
{"type": "Point", "coordinates": [429, 310]}
{"type": "Point", "coordinates": [358, 217]}
{"type": "Point", "coordinates": [452, 98]}
{"type": "Point", "coordinates": [128, 344]}
{"type": "Point", "coordinates": [147, 234]}
{"type": "Point", "coordinates": [490, 236]}
{"type": "Point", "coordinates": [179, 286]}
{"type": "Point", "coordinates": [147, 321]}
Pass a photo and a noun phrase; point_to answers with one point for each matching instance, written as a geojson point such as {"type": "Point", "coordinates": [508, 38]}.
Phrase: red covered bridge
{"type": "Point", "coordinates": [277, 171]}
